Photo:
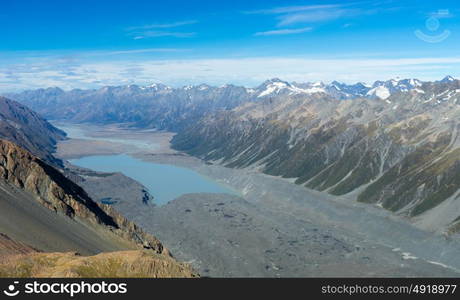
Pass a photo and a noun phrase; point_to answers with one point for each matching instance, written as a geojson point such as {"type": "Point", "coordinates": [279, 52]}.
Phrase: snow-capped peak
{"type": "Point", "coordinates": [203, 87]}
{"type": "Point", "coordinates": [277, 86]}
{"type": "Point", "coordinates": [393, 82]}
{"type": "Point", "coordinates": [380, 91]}
{"type": "Point", "coordinates": [415, 82]}
{"type": "Point", "coordinates": [156, 87]}
{"type": "Point", "coordinates": [273, 86]}
{"type": "Point", "coordinates": [384, 89]}
{"type": "Point", "coordinates": [448, 79]}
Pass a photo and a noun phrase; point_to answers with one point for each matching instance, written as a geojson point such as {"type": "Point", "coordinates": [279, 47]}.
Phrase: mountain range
{"type": "Point", "coordinates": [164, 107]}
{"type": "Point", "coordinates": [393, 144]}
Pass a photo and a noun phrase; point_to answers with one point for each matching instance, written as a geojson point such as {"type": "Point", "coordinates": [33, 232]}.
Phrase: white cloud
{"type": "Point", "coordinates": [137, 51]}
{"type": "Point", "coordinates": [152, 34]}
{"type": "Point", "coordinates": [318, 16]}
{"type": "Point", "coordinates": [245, 71]}
{"type": "Point", "coordinates": [290, 15]}
{"type": "Point", "coordinates": [162, 25]}
{"type": "Point", "coordinates": [283, 31]}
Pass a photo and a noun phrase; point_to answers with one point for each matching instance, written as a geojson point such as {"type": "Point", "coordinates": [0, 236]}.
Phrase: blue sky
{"type": "Point", "coordinates": [87, 44]}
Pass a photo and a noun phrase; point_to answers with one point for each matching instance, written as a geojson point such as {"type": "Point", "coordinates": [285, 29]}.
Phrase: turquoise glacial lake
{"type": "Point", "coordinates": [164, 182]}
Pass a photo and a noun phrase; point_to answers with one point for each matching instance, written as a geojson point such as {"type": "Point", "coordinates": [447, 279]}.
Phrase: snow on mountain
{"type": "Point", "coordinates": [345, 91]}
{"type": "Point", "coordinates": [380, 92]}
{"type": "Point", "coordinates": [154, 87]}
{"type": "Point", "coordinates": [447, 79]}
{"type": "Point", "coordinates": [273, 86]}
{"type": "Point", "coordinates": [203, 87]}
{"type": "Point", "coordinates": [276, 86]}
{"type": "Point", "coordinates": [384, 89]}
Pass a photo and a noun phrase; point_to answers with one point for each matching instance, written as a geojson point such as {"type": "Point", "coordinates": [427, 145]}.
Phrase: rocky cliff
{"type": "Point", "coordinates": [55, 192]}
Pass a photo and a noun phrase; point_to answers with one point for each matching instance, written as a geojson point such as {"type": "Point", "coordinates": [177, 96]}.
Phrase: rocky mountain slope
{"type": "Point", "coordinates": [41, 210]}
{"type": "Point", "coordinates": [152, 106]}
{"type": "Point", "coordinates": [26, 128]}
{"type": "Point", "coordinates": [10, 247]}
{"type": "Point", "coordinates": [27, 181]}
{"type": "Point", "coordinates": [401, 152]}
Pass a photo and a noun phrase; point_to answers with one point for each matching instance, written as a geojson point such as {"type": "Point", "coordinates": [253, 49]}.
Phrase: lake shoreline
{"type": "Point", "coordinates": [165, 182]}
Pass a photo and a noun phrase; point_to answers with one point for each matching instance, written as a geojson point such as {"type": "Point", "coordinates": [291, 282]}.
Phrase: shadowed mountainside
{"type": "Point", "coordinates": [27, 129]}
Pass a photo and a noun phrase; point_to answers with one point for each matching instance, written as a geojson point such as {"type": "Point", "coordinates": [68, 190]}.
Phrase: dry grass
{"type": "Point", "coordinates": [122, 264]}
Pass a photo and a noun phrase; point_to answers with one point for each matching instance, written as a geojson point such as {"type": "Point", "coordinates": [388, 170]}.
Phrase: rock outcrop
{"type": "Point", "coordinates": [53, 190]}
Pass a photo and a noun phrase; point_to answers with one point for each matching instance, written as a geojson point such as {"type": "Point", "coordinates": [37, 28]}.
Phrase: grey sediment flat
{"type": "Point", "coordinates": [226, 236]}
{"type": "Point", "coordinates": [362, 224]}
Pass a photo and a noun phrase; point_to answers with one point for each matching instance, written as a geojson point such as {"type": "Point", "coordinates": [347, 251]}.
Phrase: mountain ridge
{"type": "Point", "coordinates": [355, 89]}
{"type": "Point", "coordinates": [26, 128]}
{"type": "Point", "coordinates": [173, 109]}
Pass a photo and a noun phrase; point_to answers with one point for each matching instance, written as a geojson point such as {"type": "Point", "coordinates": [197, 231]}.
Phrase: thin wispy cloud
{"type": "Point", "coordinates": [291, 15]}
{"type": "Point", "coordinates": [157, 30]}
{"type": "Point", "coordinates": [163, 25]}
{"type": "Point", "coordinates": [320, 16]}
{"type": "Point", "coordinates": [291, 9]}
{"type": "Point", "coordinates": [153, 34]}
{"type": "Point", "coordinates": [283, 31]}
{"type": "Point", "coordinates": [138, 51]}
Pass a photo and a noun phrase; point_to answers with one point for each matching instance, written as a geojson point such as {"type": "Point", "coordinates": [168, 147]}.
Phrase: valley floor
{"type": "Point", "coordinates": [274, 229]}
